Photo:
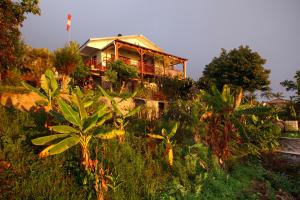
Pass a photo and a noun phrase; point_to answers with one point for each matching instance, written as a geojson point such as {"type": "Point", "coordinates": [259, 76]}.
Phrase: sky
{"type": "Point", "coordinates": [193, 29]}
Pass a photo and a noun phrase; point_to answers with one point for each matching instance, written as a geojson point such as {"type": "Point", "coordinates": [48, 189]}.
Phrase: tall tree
{"type": "Point", "coordinates": [291, 85]}
{"type": "Point", "coordinates": [12, 15]}
{"type": "Point", "coordinates": [239, 68]}
{"type": "Point", "coordinates": [66, 61]}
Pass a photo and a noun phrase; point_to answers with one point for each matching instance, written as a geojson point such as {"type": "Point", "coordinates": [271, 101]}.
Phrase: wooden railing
{"type": "Point", "coordinates": [147, 67]}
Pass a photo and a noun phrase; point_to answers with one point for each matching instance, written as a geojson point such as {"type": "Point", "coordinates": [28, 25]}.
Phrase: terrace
{"type": "Point", "coordinates": [144, 68]}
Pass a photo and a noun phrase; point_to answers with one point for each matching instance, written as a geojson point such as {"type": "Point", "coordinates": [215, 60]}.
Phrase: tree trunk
{"type": "Point", "coordinates": [85, 157]}
{"type": "Point", "coordinates": [197, 137]}
{"type": "Point", "coordinates": [239, 97]}
{"type": "Point", "coordinates": [65, 83]}
{"type": "Point", "coordinates": [122, 87]}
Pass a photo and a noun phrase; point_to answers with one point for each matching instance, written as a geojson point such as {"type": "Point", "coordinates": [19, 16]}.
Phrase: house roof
{"type": "Point", "coordinates": [99, 43]}
{"type": "Point", "coordinates": [93, 45]}
{"type": "Point", "coordinates": [146, 49]}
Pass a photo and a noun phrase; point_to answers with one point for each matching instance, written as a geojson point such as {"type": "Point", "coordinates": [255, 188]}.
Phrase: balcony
{"type": "Point", "coordinates": [149, 69]}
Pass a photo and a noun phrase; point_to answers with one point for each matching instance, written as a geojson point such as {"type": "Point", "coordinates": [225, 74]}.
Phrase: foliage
{"type": "Point", "coordinates": [175, 88]}
{"type": "Point", "coordinates": [36, 62]}
{"type": "Point", "coordinates": [81, 127]}
{"type": "Point", "coordinates": [262, 136]}
{"type": "Point", "coordinates": [68, 58]}
{"type": "Point", "coordinates": [119, 74]}
{"type": "Point", "coordinates": [80, 75]}
{"type": "Point", "coordinates": [66, 61]}
{"type": "Point", "coordinates": [221, 123]}
{"type": "Point", "coordinates": [11, 77]}
{"type": "Point", "coordinates": [194, 175]}
{"type": "Point", "coordinates": [12, 15]}
{"type": "Point", "coordinates": [166, 137]}
{"type": "Point", "coordinates": [25, 176]}
{"type": "Point", "coordinates": [238, 68]}
{"type": "Point", "coordinates": [293, 85]}
{"type": "Point", "coordinates": [120, 116]}
{"type": "Point", "coordinates": [49, 89]}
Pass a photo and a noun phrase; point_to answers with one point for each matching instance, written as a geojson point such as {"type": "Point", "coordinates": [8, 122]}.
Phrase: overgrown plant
{"type": "Point", "coordinates": [48, 92]}
{"type": "Point", "coordinates": [119, 116]}
{"type": "Point", "coordinates": [119, 74]}
{"type": "Point", "coordinates": [80, 127]}
{"type": "Point", "coordinates": [222, 126]}
{"type": "Point", "coordinates": [166, 137]}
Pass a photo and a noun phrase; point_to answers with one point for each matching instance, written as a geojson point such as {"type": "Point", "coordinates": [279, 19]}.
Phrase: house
{"type": "Point", "coordinates": [278, 102]}
{"type": "Point", "coordinates": [136, 50]}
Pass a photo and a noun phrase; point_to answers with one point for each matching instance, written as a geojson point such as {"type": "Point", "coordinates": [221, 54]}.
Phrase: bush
{"type": "Point", "coordinates": [25, 176]}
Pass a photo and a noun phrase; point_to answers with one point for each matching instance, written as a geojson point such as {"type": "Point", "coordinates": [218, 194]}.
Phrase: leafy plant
{"type": "Point", "coordinates": [119, 116]}
{"type": "Point", "coordinates": [120, 73]}
{"type": "Point", "coordinates": [49, 89]}
{"type": "Point", "coordinates": [219, 118]}
{"type": "Point", "coordinates": [66, 61]}
{"type": "Point", "coordinates": [80, 128]}
{"type": "Point", "coordinates": [166, 137]}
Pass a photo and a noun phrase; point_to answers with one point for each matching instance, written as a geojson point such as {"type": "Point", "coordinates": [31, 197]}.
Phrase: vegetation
{"type": "Point", "coordinates": [293, 85]}
{"type": "Point", "coordinates": [119, 74]}
{"type": "Point", "coordinates": [135, 168]}
{"type": "Point", "coordinates": [239, 68]}
{"type": "Point", "coordinates": [220, 142]}
{"type": "Point", "coordinates": [66, 61]}
{"type": "Point", "coordinates": [12, 15]}
{"type": "Point", "coordinates": [49, 88]}
{"type": "Point", "coordinates": [175, 88]}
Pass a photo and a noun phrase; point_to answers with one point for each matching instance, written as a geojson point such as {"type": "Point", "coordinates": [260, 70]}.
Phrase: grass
{"type": "Point", "coordinates": [13, 89]}
{"type": "Point", "coordinates": [292, 134]}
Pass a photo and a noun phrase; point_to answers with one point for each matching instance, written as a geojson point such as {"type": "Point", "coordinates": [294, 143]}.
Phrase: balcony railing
{"type": "Point", "coordinates": [147, 67]}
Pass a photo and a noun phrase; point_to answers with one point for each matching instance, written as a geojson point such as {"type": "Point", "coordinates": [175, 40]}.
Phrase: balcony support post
{"type": "Point", "coordinates": [184, 69]}
{"type": "Point", "coordinates": [117, 46]}
{"type": "Point", "coordinates": [141, 52]}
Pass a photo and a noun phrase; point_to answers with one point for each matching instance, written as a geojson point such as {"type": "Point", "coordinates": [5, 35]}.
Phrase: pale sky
{"type": "Point", "coordinates": [194, 29]}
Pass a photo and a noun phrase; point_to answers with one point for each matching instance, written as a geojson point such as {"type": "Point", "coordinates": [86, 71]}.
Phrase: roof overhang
{"type": "Point", "coordinates": [176, 59]}
{"type": "Point", "coordinates": [88, 51]}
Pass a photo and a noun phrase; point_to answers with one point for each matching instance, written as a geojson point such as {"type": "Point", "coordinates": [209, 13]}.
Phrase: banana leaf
{"type": "Point", "coordinates": [60, 147]}
{"type": "Point", "coordinates": [64, 129]}
{"type": "Point", "coordinates": [46, 139]}
{"type": "Point", "coordinates": [69, 114]}
{"type": "Point", "coordinates": [33, 89]}
{"type": "Point", "coordinates": [155, 136]}
{"type": "Point", "coordinates": [173, 131]}
{"type": "Point", "coordinates": [90, 123]}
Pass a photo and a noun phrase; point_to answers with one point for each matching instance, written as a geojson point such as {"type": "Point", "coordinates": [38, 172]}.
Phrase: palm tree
{"type": "Point", "coordinates": [277, 95]}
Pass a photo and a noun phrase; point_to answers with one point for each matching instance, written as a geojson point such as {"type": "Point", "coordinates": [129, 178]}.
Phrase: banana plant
{"type": "Point", "coordinates": [222, 125]}
{"type": "Point", "coordinates": [166, 137]}
{"type": "Point", "coordinates": [80, 128]}
{"type": "Point", "coordinates": [49, 89]}
{"type": "Point", "coordinates": [119, 117]}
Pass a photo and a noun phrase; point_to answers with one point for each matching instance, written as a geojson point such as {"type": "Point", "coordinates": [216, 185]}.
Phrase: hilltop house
{"type": "Point", "coordinates": [135, 50]}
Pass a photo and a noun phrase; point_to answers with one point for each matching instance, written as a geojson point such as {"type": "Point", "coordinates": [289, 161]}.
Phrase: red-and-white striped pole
{"type": "Point", "coordinates": [69, 26]}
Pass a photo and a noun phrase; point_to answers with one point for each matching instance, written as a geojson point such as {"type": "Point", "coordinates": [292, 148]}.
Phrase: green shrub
{"type": "Point", "coordinates": [28, 177]}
